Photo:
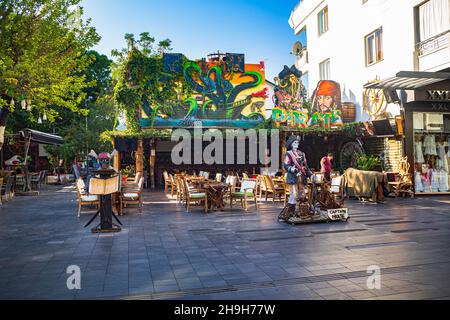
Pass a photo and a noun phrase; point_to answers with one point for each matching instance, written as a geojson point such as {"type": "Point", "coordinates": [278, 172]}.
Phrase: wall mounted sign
{"type": "Point", "coordinates": [326, 109]}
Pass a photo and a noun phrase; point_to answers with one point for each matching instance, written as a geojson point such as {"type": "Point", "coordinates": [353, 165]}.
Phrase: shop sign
{"type": "Point", "coordinates": [440, 107]}
{"type": "Point", "coordinates": [338, 214]}
{"type": "Point", "coordinates": [438, 95]}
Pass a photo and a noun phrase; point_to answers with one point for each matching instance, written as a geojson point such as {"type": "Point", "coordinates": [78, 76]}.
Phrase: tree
{"type": "Point", "coordinates": [42, 46]}
{"type": "Point", "coordinates": [81, 133]}
{"type": "Point", "coordinates": [138, 75]}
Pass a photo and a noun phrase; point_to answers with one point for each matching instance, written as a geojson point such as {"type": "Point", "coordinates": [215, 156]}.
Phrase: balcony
{"type": "Point", "coordinates": [433, 54]}
{"type": "Point", "coordinates": [302, 59]}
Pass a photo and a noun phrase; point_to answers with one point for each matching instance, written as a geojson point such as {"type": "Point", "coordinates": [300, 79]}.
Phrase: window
{"type": "Point", "coordinates": [433, 18]}
{"type": "Point", "coordinates": [322, 19]}
{"type": "Point", "coordinates": [305, 82]}
{"type": "Point", "coordinates": [374, 47]}
{"type": "Point", "coordinates": [325, 70]}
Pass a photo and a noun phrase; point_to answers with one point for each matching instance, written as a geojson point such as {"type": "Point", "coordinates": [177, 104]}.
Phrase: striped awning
{"type": "Point", "coordinates": [409, 80]}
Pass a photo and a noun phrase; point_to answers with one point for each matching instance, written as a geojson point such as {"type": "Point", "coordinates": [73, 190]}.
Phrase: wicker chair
{"type": "Point", "coordinates": [194, 196]}
{"type": "Point", "coordinates": [85, 199]}
{"type": "Point", "coordinates": [167, 182]}
{"type": "Point", "coordinates": [247, 191]}
{"type": "Point", "coordinates": [131, 195]}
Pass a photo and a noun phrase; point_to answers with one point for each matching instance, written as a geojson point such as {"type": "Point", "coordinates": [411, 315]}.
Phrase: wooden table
{"type": "Point", "coordinates": [215, 192]}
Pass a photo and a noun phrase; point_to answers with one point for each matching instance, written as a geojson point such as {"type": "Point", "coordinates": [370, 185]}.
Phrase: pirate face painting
{"type": "Point", "coordinates": [295, 145]}
{"type": "Point", "coordinates": [327, 96]}
{"type": "Point", "coordinates": [325, 103]}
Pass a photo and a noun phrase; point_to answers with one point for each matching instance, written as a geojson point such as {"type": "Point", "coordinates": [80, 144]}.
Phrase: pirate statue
{"type": "Point", "coordinates": [297, 174]}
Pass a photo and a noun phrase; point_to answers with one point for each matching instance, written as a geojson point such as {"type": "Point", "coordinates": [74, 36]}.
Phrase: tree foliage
{"type": "Point", "coordinates": [42, 55]}
{"type": "Point", "coordinates": [138, 72]}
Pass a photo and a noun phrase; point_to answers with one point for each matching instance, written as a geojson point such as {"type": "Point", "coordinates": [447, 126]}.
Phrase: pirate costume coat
{"type": "Point", "coordinates": [297, 167]}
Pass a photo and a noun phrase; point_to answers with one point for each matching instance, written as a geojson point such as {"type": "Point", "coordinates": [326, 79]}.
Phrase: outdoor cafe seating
{"type": "Point", "coordinates": [131, 194]}
{"type": "Point", "coordinates": [84, 198]}
{"type": "Point", "coordinates": [246, 192]}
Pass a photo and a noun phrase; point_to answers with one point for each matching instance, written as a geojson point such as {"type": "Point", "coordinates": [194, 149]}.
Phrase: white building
{"type": "Point", "coordinates": [356, 41]}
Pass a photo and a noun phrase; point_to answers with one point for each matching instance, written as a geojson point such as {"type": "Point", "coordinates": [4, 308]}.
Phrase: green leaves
{"type": "Point", "coordinates": [367, 162]}
{"type": "Point", "coordinates": [42, 52]}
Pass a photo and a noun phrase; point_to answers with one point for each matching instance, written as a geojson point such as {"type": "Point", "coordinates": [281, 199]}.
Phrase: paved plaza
{"type": "Point", "coordinates": [166, 253]}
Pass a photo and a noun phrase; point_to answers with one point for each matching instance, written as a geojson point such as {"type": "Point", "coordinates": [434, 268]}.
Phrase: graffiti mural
{"type": "Point", "coordinates": [226, 92]}
{"type": "Point", "coordinates": [289, 98]}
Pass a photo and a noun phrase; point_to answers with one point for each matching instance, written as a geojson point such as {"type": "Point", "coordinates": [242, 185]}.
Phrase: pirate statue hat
{"type": "Point", "coordinates": [290, 141]}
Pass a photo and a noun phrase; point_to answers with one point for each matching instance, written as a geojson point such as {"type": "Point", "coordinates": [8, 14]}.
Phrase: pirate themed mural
{"type": "Point", "coordinates": [326, 105]}
{"type": "Point", "coordinates": [326, 110]}
{"type": "Point", "coordinates": [226, 92]}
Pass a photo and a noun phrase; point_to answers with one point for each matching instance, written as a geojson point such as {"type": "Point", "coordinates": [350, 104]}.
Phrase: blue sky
{"type": "Point", "coordinates": [258, 28]}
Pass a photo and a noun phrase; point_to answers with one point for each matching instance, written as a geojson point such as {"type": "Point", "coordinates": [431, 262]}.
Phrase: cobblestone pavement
{"type": "Point", "coordinates": [166, 253]}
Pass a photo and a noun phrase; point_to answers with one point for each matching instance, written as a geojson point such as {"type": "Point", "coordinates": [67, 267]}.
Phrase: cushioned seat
{"type": "Point", "coordinates": [90, 198]}
{"type": "Point", "coordinates": [241, 194]}
{"type": "Point", "coordinates": [131, 195]}
{"type": "Point", "coordinates": [197, 195]}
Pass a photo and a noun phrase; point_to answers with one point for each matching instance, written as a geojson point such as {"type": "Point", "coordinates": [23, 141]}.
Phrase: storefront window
{"type": "Point", "coordinates": [431, 152]}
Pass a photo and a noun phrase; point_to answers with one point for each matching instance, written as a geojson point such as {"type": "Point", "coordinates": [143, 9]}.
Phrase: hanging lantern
{"type": "Point", "coordinates": [28, 105]}
{"type": "Point", "coordinates": [12, 103]}
{"type": "Point", "coordinates": [23, 104]}
{"type": "Point", "coordinates": [40, 119]}
{"type": "Point", "coordinates": [45, 116]}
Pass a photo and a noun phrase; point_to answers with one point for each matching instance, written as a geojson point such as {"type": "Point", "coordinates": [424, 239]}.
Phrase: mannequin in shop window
{"type": "Point", "coordinates": [297, 174]}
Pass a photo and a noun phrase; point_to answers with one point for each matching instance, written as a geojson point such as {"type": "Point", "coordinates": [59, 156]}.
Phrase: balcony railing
{"type": "Point", "coordinates": [302, 58]}
{"type": "Point", "coordinates": [435, 43]}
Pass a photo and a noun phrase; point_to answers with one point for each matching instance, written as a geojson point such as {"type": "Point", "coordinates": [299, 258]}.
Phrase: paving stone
{"type": "Point", "coordinates": [166, 250]}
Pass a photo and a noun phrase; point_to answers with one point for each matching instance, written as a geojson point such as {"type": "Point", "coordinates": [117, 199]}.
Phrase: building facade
{"type": "Point", "coordinates": [356, 41]}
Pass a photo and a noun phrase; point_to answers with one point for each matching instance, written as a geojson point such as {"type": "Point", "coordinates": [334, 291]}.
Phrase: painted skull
{"type": "Point", "coordinates": [104, 158]}
{"type": "Point", "coordinates": [295, 145]}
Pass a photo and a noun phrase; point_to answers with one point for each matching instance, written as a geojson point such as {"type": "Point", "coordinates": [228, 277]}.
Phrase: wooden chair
{"type": "Point", "coordinates": [179, 187]}
{"type": "Point", "coordinates": [36, 180]}
{"type": "Point", "coordinates": [403, 184]}
{"type": "Point", "coordinates": [275, 188]}
{"type": "Point", "coordinates": [262, 188]}
{"type": "Point", "coordinates": [219, 177]}
{"type": "Point", "coordinates": [337, 188]}
{"type": "Point", "coordinates": [231, 181]}
{"type": "Point", "coordinates": [196, 197]}
{"type": "Point", "coordinates": [167, 182]}
{"type": "Point", "coordinates": [85, 199]}
{"type": "Point", "coordinates": [7, 190]}
{"type": "Point", "coordinates": [1, 189]}
{"type": "Point", "coordinates": [173, 186]}
{"type": "Point", "coordinates": [246, 191]}
{"type": "Point", "coordinates": [20, 183]}
{"type": "Point", "coordinates": [131, 195]}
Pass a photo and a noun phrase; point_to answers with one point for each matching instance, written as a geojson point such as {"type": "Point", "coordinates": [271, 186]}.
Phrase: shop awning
{"type": "Point", "coordinates": [409, 80]}
{"type": "Point", "coordinates": [41, 137]}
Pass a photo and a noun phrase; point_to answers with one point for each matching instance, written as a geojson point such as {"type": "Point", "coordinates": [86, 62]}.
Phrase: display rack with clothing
{"type": "Point", "coordinates": [429, 144]}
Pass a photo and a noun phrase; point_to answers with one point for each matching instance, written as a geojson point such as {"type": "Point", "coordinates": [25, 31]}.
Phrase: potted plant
{"type": "Point", "coordinates": [128, 171]}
